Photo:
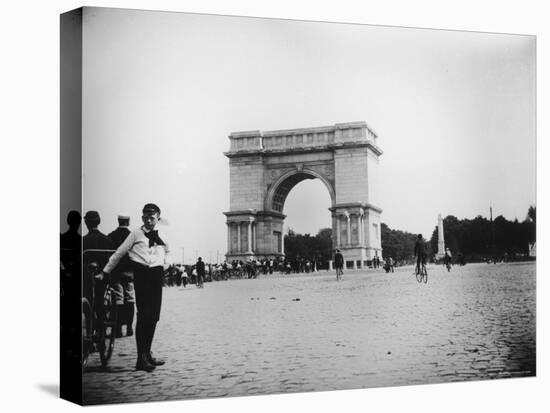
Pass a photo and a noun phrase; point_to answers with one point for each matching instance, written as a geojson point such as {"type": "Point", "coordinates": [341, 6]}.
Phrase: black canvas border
{"type": "Point", "coordinates": [71, 193]}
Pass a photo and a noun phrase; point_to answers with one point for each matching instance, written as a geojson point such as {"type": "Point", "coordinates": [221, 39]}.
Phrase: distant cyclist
{"type": "Point", "coordinates": [447, 259]}
{"type": "Point", "coordinates": [420, 252]}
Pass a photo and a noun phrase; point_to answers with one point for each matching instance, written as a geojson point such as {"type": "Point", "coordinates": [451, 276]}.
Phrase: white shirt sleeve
{"type": "Point", "coordinates": [119, 253]}
{"type": "Point", "coordinates": [167, 256]}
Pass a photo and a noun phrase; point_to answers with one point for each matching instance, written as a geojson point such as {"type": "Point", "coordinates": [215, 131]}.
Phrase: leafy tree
{"type": "Point", "coordinates": [532, 214]}
{"type": "Point", "coordinates": [477, 239]}
{"type": "Point", "coordinates": [318, 248]}
{"type": "Point", "coordinates": [397, 244]}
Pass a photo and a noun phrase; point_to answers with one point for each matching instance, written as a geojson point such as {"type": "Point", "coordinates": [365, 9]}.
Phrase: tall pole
{"type": "Point", "coordinates": [492, 234]}
{"type": "Point", "coordinates": [182, 256]}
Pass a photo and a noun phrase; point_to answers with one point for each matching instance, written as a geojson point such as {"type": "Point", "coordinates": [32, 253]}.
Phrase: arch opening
{"type": "Point", "coordinates": [307, 208]}
{"type": "Point", "coordinates": [277, 196]}
{"type": "Point", "coordinates": [284, 188]}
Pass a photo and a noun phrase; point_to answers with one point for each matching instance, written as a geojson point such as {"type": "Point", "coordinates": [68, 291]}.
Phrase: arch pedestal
{"type": "Point", "coordinates": [263, 236]}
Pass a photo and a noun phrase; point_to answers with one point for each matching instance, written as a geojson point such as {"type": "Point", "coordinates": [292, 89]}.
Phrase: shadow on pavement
{"type": "Point", "coordinates": [51, 389]}
{"type": "Point", "coordinates": [108, 369]}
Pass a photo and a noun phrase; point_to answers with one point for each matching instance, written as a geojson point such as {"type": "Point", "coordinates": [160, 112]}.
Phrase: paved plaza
{"type": "Point", "coordinates": [297, 333]}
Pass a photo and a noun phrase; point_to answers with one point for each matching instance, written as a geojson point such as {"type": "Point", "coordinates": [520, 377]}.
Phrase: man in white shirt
{"type": "Point", "coordinates": [149, 256]}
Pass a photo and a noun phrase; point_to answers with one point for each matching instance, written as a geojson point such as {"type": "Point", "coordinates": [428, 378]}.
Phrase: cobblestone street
{"type": "Point", "coordinates": [296, 333]}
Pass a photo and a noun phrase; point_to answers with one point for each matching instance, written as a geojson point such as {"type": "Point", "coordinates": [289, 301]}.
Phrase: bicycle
{"type": "Point", "coordinates": [421, 272]}
{"type": "Point", "coordinates": [99, 315]}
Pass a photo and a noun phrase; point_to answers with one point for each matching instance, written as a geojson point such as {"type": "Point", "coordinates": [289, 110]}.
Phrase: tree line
{"type": "Point", "coordinates": [479, 239]}
{"type": "Point", "coordinates": [318, 247]}
{"type": "Point", "coordinates": [476, 239]}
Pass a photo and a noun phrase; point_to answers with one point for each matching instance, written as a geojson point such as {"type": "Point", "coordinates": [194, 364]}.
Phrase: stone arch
{"type": "Point", "coordinates": [265, 166]}
{"type": "Point", "coordinates": [279, 190]}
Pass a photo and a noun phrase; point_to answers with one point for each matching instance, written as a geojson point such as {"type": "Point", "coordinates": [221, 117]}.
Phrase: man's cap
{"type": "Point", "coordinates": [91, 215]}
{"type": "Point", "coordinates": [123, 216]}
{"type": "Point", "coordinates": [151, 208]}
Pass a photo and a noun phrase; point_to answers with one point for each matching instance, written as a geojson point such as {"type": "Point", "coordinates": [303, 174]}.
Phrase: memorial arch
{"type": "Point", "coordinates": [265, 166]}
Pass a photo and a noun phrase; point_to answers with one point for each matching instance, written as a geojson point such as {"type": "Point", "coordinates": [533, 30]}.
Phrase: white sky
{"type": "Point", "coordinates": [454, 111]}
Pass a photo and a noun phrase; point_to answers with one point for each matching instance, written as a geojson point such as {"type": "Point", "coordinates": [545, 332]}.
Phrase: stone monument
{"type": "Point", "coordinates": [440, 238]}
{"type": "Point", "coordinates": [265, 166]}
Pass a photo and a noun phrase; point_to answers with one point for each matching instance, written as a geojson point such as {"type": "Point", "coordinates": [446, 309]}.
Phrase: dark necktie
{"type": "Point", "coordinates": [154, 238]}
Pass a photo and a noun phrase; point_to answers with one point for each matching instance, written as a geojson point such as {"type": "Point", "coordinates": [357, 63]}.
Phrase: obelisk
{"type": "Point", "coordinates": [440, 238]}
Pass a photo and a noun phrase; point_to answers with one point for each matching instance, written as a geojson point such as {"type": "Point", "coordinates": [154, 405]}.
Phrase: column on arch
{"type": "Point", "coordinates": [253, 236]}
{"type": "Point", "coordinates": [367, 233]}
{"type": "Point", "coordinates": [348, 218]}
{"type": "Point", "coordinates": [360, 228]}
{"type": "Point", "coordinates": [229, 246]}
{"type": "Point", "coordinates": [283, 241]}
{"type": "Point", "coordinates": [249, 237]}
{"type": "Point", "coordinates": [355, 228]}
{"type": "Point", "coordinates": [338, 231]}
{"type": "Point", "coordinates": [239, 237]}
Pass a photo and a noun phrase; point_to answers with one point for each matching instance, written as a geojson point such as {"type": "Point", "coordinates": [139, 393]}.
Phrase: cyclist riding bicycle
{"type": "Point", "coordinates": [420, 252]}
{"type": "Point", "coordinates": [447, 259]}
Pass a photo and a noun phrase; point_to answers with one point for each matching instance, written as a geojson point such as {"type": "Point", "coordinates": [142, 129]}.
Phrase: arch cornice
{"type": "Point", "coordinates": [299, 150]}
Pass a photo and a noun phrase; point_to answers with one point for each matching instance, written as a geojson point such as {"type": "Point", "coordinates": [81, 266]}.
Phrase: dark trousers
{"type": "Point", "coordinates": [148, 288]}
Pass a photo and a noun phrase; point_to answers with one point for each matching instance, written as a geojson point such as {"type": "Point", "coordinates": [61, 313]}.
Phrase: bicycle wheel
{"type": "Point", "coordinates": [87, 340]}
{"type": "Point", "coordinates": [107, 327]}
{"type": "Point", "coordinates": [424, 274]}
{"type": "Point", "coordinates": [419, 275]}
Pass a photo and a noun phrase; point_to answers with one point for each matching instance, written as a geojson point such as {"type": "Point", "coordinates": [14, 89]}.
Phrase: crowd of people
{"type": "Point", "coordinates": [137, 265]}
{"type": "Point", "coordinates": [183, 275]}
{"type": "Point", "coordinates": [132, 262]}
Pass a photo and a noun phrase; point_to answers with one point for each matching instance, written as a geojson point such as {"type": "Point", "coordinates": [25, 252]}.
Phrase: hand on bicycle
{"type": "Point", "coordinates": [101, 276]}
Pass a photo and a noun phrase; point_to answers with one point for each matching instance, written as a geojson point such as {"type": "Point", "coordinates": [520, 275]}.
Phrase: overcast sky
{"type": "Point", "coordinates": [454, 111]}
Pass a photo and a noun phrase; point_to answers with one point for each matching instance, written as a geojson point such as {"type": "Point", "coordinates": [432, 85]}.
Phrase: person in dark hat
{"type": "Point", "coordinates": [339, 264]}
{"type": "Point", "coordinates": [126, 310]}
{"type": "Point", "coordinates": [95, 239]}
{"type": "Point", "coordinates": [72, 238]}
{"type": "Point", "coordinates": [200, 272]}
{"type": "Point", "coordinates": [420, 252]}
{"type": "Point", "coordinates": [71, 291]}
{"type": "Point", "coordinates": [149, 256]}
{"type": "Point", "coordinates": [71, 244]}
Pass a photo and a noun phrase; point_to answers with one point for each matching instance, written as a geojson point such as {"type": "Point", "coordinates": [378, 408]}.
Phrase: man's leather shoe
{"type": "Point", "coordinates": [143, 364]}
{"type": "Point", "coordinates": [154, 361]}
